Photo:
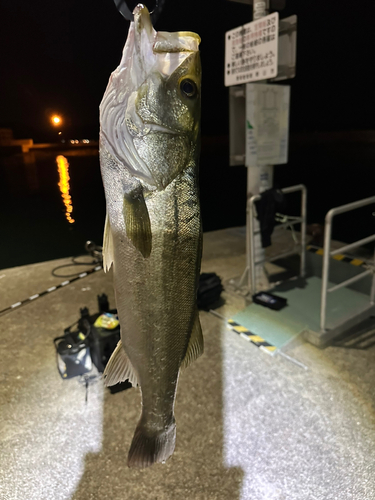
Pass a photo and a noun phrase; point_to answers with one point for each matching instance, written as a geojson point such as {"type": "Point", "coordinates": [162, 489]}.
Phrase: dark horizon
{"type": "Point", "coordinates": [59, 56]}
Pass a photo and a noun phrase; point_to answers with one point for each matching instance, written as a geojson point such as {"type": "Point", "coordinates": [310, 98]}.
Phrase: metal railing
{"type": "Point", "coordinates": [301, 248]}
{"type": "Point", "coordinates": [327, 253]}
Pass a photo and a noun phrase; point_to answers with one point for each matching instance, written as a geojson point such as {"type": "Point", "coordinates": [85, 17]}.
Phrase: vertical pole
{"type": "Point", "coordinates": [325, 270]}
{"type": "Point", "coordinates": [260, 9]}
{"type": "Point", "coordinates": [372, 294]}
{"type": "Point", "coordinates": [249, 240]}
{"type": "Point", "coordinates": [252, 284]}
{"type": "Point", "coordinates": [303, 231]}
{"type": "Point", "coordinates": [259, 179]}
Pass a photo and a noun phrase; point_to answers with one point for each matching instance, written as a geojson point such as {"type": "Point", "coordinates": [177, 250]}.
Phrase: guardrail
{"type": "Point", "coordinates": [301, 248]}
{"type": "Point", "coordinates": [327, 253]}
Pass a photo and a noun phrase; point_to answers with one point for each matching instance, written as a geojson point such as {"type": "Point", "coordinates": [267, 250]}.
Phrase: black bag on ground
{"type": "Point", "coordinates": [209, 291]}
{"type": "Point", "coordinates": [72, 354]}
{"type": "Point", "coordinates": [104, 332]}
{"type": "Point", "coordinates": [92, 342]}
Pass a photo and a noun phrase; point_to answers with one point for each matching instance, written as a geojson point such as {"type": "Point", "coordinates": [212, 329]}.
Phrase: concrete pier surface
{"type": "Point", "coordinates": [250, 426]}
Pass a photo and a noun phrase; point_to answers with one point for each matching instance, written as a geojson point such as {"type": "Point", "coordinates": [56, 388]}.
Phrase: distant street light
{"type": "Point", "coordinates": [56, 120]}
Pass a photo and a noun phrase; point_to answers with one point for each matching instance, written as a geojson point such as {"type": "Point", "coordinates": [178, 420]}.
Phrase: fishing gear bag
{"type": "Point", "coordinates": [72, 354]}
{"type": "Point", "coordinates": [91, 342]}
{"type": "Point", "coordinates": [209, 291]}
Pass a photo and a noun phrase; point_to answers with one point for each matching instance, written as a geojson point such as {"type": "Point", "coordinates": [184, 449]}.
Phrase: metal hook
{"type": "Point", "coordinates": [123, 8]}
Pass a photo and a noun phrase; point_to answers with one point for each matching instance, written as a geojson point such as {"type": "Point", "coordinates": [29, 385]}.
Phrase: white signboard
{"type": "Point", "coordinates": [267, 124]}
{"type": "Point", "coordinates": [251, 51]}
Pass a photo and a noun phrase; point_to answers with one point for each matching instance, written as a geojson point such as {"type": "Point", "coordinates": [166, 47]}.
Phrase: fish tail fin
{"type": "Point", "coordinates": [148, 447]}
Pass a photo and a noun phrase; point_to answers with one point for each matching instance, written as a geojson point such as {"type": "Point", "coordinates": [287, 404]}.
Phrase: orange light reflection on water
{"type": "Point", "coordinates": [63, 169]}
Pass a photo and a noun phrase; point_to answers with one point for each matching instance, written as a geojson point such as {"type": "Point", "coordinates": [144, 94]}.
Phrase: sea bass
{"type": "Point", "coordinates": [149, 148]}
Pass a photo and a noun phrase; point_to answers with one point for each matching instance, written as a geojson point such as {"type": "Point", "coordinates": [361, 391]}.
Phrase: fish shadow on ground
{"type": "Point", "coordinates": [196, 471]}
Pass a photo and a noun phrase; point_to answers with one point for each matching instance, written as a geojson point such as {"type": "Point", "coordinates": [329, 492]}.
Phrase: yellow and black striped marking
{"type": "Point", "coordinates": [340, 257]}
{"type": "Point", "coordinates": [251, 337]}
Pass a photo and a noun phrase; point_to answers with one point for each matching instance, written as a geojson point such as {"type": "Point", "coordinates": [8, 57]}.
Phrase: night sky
{"type": "Point", "coordinates": [57, 57]}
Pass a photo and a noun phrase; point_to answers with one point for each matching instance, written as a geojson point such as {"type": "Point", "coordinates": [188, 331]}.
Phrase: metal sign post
{"type": "Point", "coordinates": [259, 179]}
{"type": "Point", "coordinates": [259, 113]}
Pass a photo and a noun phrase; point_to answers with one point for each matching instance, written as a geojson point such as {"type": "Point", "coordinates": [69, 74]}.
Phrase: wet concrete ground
{"type": "Point", "coordinates": [249, 426]}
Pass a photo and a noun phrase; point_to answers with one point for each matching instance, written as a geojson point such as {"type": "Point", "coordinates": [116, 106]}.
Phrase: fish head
{"type": "Point", "coordinates": [169, 98]}
{"type": "Point", "coordinates": [150, 113]}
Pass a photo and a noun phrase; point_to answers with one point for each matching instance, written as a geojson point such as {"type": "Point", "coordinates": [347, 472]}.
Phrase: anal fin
{"type": "Point", "coordinates": [137, 221]}
{"type": "Point", "coordinates": [119, 368]}
{"type": "Point", "coordinates": [195, 347]}
{"type": "Point", "coordinates": [107, 246]}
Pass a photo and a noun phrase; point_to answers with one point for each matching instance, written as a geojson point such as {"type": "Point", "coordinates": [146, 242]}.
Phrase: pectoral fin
{"type": "Point", "coordinates": [195, 347]}
{"type": "Point", "coordinates": [137, 221]}
{"type": "Point", "coordinates": [107, 246]}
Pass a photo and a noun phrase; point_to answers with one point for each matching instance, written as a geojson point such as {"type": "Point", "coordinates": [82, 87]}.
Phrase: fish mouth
{"type": "Point", "coordinates": [142, 19]}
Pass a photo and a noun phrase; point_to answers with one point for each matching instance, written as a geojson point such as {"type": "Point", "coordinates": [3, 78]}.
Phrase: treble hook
{"type": "Point", "coordinates": [123, 8]}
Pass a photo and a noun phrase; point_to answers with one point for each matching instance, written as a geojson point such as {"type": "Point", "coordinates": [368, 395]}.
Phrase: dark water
{"type": "Point", "coordinates": [33, 222]}
{"type": "Point", "coordinates": [34, 226]}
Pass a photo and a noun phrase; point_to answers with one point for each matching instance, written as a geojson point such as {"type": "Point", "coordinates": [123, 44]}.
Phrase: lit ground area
{"type": "Point", "coordinates": [250, 426]}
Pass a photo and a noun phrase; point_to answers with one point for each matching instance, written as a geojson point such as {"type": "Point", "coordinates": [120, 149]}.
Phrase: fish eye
{"type": "Point", "coordinates": [188, 87]}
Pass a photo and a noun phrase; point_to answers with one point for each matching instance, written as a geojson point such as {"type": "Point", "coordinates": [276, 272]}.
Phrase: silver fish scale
{"type": "Point", "coordinates": [156, 296]}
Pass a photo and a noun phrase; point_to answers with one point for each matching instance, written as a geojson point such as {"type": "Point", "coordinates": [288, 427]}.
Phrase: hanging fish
{"type": "Point", "coordinates": [149, 148]}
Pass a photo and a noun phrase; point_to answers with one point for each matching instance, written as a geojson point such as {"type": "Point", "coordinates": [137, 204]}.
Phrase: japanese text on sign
{"type": "Point", "coordinates": [267, 124]}
{"type": "Point", "coordinates": [251, 51]}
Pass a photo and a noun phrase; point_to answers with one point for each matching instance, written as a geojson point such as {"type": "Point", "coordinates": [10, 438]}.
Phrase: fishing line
{"type": "Point", "coordinates": [36, 296]}
{"type": "Point", "coordinates": [94, 250]}
{"type": "Point", "coordinates": [74, 263]}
